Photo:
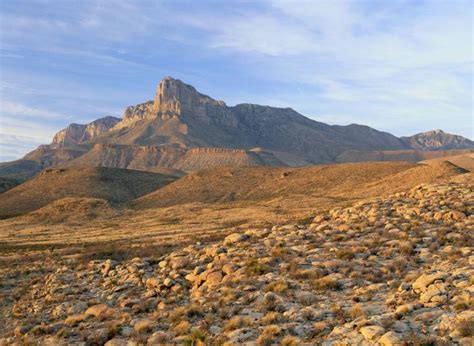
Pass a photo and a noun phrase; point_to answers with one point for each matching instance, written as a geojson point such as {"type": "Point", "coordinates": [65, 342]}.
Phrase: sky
{"type": "Point", "coordinates": [399, 66]}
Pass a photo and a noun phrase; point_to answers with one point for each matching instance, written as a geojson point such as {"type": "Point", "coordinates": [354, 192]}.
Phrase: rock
{"type": "Point", "coordinates": [179, 263]}
{"type": "Point", "coordinates": [74, 320]}
{"type": "Point", "coordinates": [214, 278]}
{"type": "Point", "coordinates": [159, 338]}
{"type": "Point", "coordinates": [77, 308]}
{"type": "Point", "coordinates": [230, 268]}
{"type": "Point", "coordinates": [391, 339]}
{"type": "Point", "coordinates": [434, 293]}
{"type": "Point", "coordinates": [97, 310]}
{"type": "Point", "coordinates": [168, 282]}
{"type": "Point", "coordinates": [371, 333]}
{"type": "Point", "coordinates": [235, 238]}
{"type": "Point", "coordinates": [425, 280]}
{"type": "Point", "coordinates": [117, 342]}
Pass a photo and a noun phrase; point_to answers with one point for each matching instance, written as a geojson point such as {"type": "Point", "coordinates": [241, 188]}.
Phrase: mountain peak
{"type": "Point", "coordinates": [174, 97]}
{"type": "Point", "coordinates": [438, 140]}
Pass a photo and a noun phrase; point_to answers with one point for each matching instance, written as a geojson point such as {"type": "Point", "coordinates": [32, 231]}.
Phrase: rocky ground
{"type": "Point", "coordinates": [392, 271]}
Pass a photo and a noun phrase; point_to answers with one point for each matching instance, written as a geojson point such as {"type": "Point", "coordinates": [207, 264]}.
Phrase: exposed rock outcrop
{"type": "Point", "coordinates": [438, 140]}
{"type": "Point", "coordinates": [78, 133]}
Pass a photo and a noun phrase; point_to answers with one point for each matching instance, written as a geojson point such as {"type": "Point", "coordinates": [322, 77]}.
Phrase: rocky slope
{"type": "Point", "coordinates": [438, 140]}
{"type": "Point", "coordinates": [78, 133]}
{"type": "Point", "coordinates": [389, 271]}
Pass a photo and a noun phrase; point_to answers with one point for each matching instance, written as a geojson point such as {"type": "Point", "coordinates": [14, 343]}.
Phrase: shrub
{"type": "Point", "coordinates": [290, 341]}
{"type": "Point", "coordinates": [268, 335]}
{"type": "Point", "coordinates": [197, 336]}
{"type": "Point", "coordinates": [356, 311]}
{"type": "Point", "coordinates": [345, 254]}
{"type": "Point", "coordinates": [255, 268]}
{"type": "Point", "coordinates": [272, 318]}
{"type": "Point", "coordinates": [182, 328]}
{"type": "Point", "coordinates": [326, 283]}
{"type": "Point", "coordinates": [237, 322]}
{"type": "Point", "coordinates": [279, 286]}
{"type": "Point", "coordinates": [466, 327]}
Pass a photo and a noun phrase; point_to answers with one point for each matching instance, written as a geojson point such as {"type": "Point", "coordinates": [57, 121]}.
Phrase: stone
{"type": "Point", "coordinates": [116, 342]}
{"type": "Point", "coordinates": [214, 278]}
{"type": "Point", "coordinates": [159, 338]}
{"type": "Point", "coordinates": [425, 280]}
{"type": "Point", "coordinates": [434, 293]}
{"type": "Point", "coordinates": [97, 310]}
{"type": "Point", "coordinates": [168, 282]}
{"type": "Point", "coordinates": [391, 339]}
{"type": "Point", "coordinates": [371, 333]}
{"type": "Point", "coordinates": [235, 238]}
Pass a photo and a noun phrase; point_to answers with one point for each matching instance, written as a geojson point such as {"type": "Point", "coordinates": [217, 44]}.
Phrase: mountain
{"type": "Point", "coordinates": [77, 133]}
{"type": "Point", "coordinates": [112, 184]}
{"type": "Point", "coordinates": [438, 140]}
{"type": "Point", "coordinates": [183, 129]}
{"type": "Point", "coordinates": [8, 183]}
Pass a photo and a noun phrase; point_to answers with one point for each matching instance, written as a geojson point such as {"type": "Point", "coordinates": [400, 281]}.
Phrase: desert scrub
{"type": "Point", "coordinates": [326, 283]}
{"type": "Point", "coordinates": [345, 254]}
{"type": "Point", "coordinates": [191, 311]}
{"type": "Point", "coordinates": [268, 335]}
{"type": "Point", "coordinates": [197, 337]}
{"type": "Point", "coordinates": [255, 268]}
{"type": "Point", "coordinates": [238, 322]}
{"type": "Point", "coordinates": [272, 317]}
{"type": "Point", "coordinates": [277, 287]}
{"type": "Point", "coordinates": [466, 327]}
{"type": "Point", "coordinates": [290, 340]}
{"type": "Point", "coordinates": [356, 311]}
{"type": "Point", "coordinates": [182, 328]}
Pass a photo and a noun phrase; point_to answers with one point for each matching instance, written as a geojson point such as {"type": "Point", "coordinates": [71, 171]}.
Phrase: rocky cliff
{"type": "Point", "coordinates": [78, 133]}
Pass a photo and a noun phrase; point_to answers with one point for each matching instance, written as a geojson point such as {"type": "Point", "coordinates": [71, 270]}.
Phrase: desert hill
{"type": "Point", "coordinates": [351, 180]}
{"type": "Point", "coordinates": [465, 161]}
{"type": "Point", "coordinates": [184, 129]}
{"type": "Point", "coordinates": [73, 209]}
{"type": "Point", "coordinates": [112, 184]}
{"type": "Point", "coordinates": [399, 155]}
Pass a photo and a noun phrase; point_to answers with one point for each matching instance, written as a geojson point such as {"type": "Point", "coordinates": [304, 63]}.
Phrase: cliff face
{"type": "Point", "coordinates": [78, 133]}
{"type": "Point", "coordinates": [69, 136]}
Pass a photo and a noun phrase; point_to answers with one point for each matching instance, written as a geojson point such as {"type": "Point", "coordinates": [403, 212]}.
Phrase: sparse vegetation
{"type": "Point", "coordinates": [289, 284]}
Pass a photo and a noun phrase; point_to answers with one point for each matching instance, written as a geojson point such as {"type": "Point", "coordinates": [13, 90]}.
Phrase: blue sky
{"type": "Point", "coordinates": [398, 66]}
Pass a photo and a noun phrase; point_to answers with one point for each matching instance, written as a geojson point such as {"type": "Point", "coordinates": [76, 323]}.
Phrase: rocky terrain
{"type": "Point", "coordinates": [186, 130]}
{"type": "Point", "coordinates": [392, 270]}
{"type": "Point", "coordinates": [437, 139]}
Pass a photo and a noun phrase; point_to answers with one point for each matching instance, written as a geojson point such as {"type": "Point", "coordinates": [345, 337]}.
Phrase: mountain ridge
{"type": "Point", "coordinates": [161, 132]}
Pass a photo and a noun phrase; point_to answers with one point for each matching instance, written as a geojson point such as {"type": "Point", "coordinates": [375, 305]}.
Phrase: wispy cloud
{"type": "Point", "coordinates": [400, 66]}
{"type": "Point", "coordinates": [14, 109]}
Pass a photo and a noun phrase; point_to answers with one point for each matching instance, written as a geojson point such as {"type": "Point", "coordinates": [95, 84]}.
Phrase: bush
{"type": "Point", "coordinates": [326, 283]}
{"type": "Point", "coordinates": [255, 268]}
